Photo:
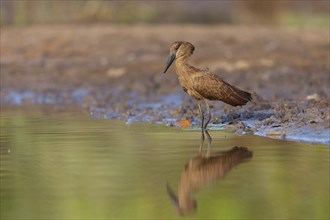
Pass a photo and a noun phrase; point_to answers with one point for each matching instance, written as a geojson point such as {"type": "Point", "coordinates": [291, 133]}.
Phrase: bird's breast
{"type": "Point", "coordinates": [186, 80]}
{"type": "Point", "coordinates": [187, 87]}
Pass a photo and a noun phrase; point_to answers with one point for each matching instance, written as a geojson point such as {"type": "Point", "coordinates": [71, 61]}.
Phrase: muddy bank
{"type": "Point", "coordinates": [116, 72]}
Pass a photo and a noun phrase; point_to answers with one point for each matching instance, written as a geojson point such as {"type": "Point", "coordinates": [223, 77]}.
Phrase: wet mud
{"type": "Point", "coordinates": [116, 72]}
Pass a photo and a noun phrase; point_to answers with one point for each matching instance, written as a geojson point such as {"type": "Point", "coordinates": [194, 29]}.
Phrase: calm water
{"type": "Point", "coordinates": [69, 166]}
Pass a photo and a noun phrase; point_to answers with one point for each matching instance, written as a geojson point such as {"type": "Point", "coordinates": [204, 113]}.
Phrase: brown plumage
{"type": "Point", "coordinates": [202, 84]}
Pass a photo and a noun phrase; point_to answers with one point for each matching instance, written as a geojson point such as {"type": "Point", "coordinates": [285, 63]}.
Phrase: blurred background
{"type": "Point", "coordinates": [298, 13]}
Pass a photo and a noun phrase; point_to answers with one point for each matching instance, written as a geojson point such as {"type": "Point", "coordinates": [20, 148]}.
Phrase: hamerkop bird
{"type": "Point", "coordinates": [202, 84]}
{"type": "Point", "coordinates": [202, 171]}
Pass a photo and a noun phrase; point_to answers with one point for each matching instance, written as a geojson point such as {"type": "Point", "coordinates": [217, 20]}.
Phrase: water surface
{"type": "Point", "coordinates": [69, 166]}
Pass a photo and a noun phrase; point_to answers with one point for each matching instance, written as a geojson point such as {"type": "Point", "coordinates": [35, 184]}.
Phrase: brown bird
{"type": "Point", "coordinates": [201, 84]}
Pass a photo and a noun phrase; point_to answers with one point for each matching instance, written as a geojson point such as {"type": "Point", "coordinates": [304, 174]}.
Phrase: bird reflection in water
{"type": "Point", "coordinates": [209, 140]}
{"type": "Point", "coordinates": [200, 171]}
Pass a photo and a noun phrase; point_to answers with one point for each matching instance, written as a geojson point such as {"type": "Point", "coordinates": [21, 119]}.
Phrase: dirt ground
{"type": "Point", "coordinates": [116, 72]}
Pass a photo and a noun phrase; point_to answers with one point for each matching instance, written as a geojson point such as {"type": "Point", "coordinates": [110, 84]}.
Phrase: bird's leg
{"type": "Point", "coordinates": [209, 113]}
{"type": "Point", "coordinates": [202, 114]}
{"type": "Point", "coordinates": [209, 141]}
{"type": "Point", "coordinates": [202, 142]}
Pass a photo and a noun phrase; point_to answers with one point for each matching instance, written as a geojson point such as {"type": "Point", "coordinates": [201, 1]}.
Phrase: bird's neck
{"type": "Point", "coordinates": [181, 65]}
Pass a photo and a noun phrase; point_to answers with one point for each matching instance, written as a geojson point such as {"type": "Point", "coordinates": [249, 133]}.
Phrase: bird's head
{"type": "Point", "coordinates": [179, 49]}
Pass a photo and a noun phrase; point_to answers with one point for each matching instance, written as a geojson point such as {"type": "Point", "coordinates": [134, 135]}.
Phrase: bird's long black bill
{"type": "Point", "coordinates": [170, 60]}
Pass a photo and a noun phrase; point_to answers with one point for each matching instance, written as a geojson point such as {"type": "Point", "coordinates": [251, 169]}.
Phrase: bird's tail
{"type": "Point", "coordinates": [238, 97]}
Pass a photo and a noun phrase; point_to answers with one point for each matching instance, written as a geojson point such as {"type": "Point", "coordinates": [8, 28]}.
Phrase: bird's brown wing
{"type": "Point", "coordinates": [212, 87]}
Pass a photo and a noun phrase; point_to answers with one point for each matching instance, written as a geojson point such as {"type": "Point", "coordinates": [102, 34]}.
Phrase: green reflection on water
{"type": "Point", "coordinates": [66, 165]}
